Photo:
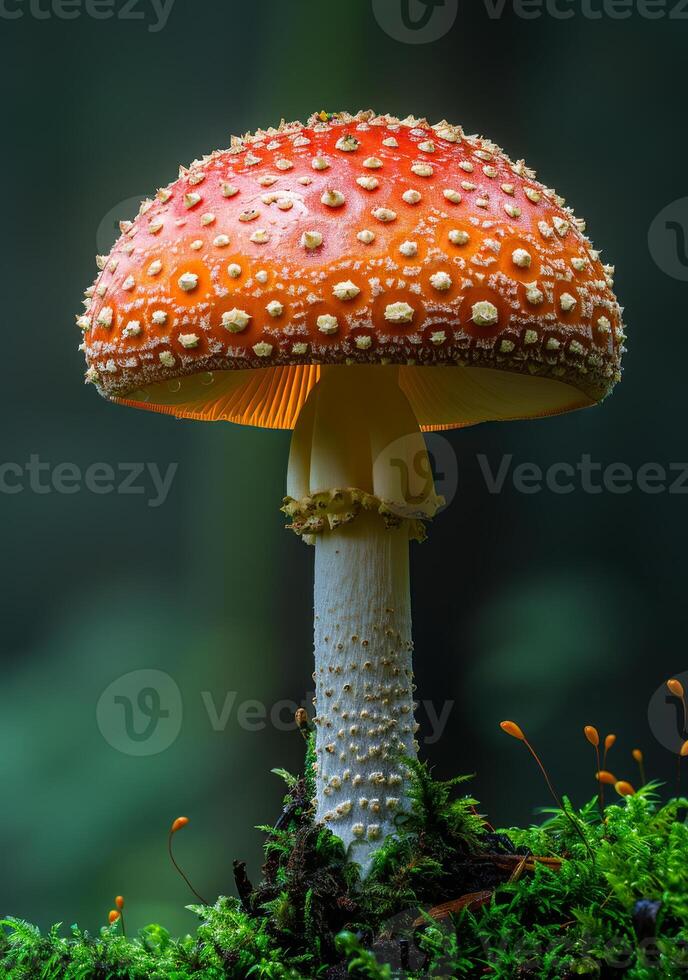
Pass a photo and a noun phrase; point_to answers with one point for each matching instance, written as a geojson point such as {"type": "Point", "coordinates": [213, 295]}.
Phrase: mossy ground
{"type": "Point", "coordinates": [611, 901]}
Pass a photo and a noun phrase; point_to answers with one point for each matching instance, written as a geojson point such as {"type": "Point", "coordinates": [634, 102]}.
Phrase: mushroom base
{"type": "Point", "coordinates": [364, 681]}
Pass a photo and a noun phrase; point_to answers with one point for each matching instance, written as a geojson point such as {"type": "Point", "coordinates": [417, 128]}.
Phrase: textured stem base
{"type": "Point", "coordinates": [364, 680]}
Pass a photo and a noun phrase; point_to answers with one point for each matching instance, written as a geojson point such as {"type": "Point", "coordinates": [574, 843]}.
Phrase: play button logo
{"type": "Point", "coordinates": [415, 21]}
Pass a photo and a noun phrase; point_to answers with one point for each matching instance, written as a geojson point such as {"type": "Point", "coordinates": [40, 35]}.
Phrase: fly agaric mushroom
{"type": "Point", "coordinates": [358, 279]}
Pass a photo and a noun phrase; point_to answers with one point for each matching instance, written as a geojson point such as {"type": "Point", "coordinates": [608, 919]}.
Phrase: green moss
{"type": "Point", "coordinates": [622, 913]}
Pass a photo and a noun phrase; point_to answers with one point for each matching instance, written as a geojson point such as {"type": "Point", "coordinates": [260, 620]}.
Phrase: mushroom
{"type": "Point", "coordinates": [355, 287]}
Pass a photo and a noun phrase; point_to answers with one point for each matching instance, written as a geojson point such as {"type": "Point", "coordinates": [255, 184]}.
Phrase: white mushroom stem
{"type": "Point", "coordinates": [364, 680]}
{"type": "Point", "coordinates": [359, 476]}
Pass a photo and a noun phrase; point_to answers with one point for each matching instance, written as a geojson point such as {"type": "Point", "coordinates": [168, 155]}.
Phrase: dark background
{"type": "Point", "coordinates": [555, 610]}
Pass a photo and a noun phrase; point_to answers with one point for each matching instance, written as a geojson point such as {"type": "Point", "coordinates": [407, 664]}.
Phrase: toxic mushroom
{"type": "Point", "coordinates": [358, 279]}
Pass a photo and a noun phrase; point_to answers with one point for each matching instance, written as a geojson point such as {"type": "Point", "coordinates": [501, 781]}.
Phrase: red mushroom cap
{"type": "Point", "coordinates": [355, 239]}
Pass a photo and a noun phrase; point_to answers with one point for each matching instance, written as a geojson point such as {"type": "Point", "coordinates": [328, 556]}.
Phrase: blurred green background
{"type": "Point", "coordinates": [554, 610]}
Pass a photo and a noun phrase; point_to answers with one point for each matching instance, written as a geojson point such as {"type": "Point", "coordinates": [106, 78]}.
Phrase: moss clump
{"type": "Point", "coordinates": [622, 913]}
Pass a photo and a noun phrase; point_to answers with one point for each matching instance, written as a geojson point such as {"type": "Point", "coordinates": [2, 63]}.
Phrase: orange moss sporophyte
{"type": "Point", "coordinates": [119, 909]}
{"type": "Point", "coordinates": [511, 728]}
{"type": "Point", "coordinates": [593, 736]}
{"type": "Point", "coordinates": [605, 777]}
{"type": "Point", "coordinates": [117, 914]}
{"type": "Point", "coordinates": [624, 788]}
{"type": "Point", "coordinates": [177, 825]}
{"type": "Point", "coordinates": [676, 687]}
